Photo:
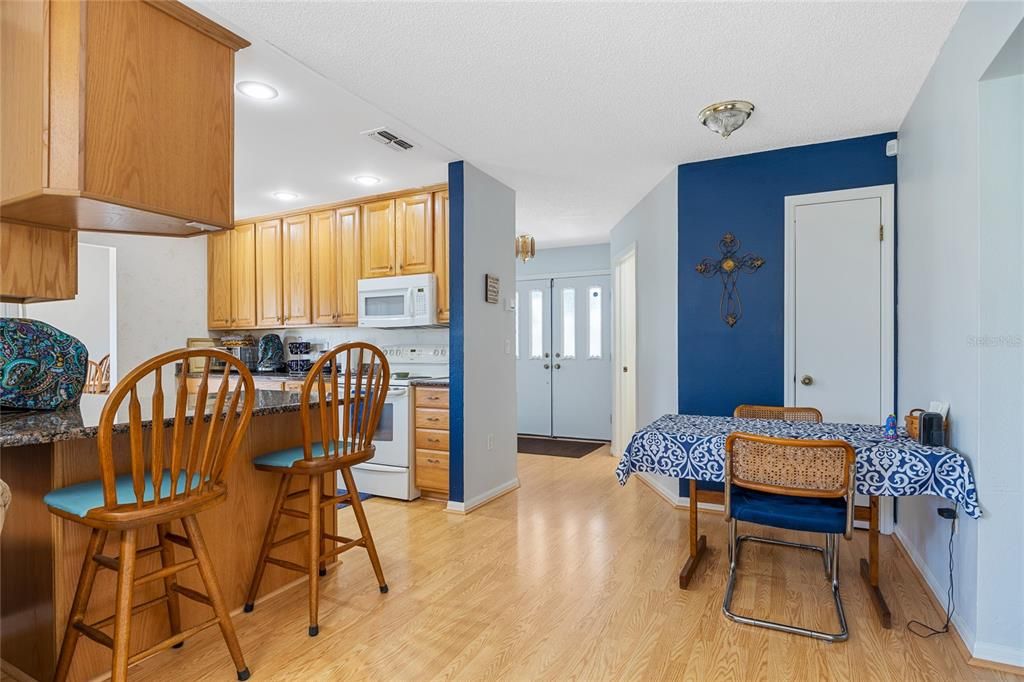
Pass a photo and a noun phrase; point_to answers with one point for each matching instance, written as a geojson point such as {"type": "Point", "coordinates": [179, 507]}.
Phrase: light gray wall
{"type": "Point", "coordinates": [943, 280]}
{"type": "Point", "coordinates": [565, 260]}
{"type": "Point", "coordinates": [161, 294]}
{"type": "Point", "coordinates": [489, 388]}
{"type": "Point", "coordinates": [652, 226]}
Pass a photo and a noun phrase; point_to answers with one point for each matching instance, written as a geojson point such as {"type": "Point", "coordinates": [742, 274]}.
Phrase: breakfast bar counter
{"type": "Point", "coordinates": [42, 553]}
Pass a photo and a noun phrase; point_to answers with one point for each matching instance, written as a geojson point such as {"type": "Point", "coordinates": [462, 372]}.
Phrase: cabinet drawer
{"type": "Point", "coordinates": [432, 439]}
{"type": "Point", "coordinates": [428, 418]}
{"type": "Point", "coordinates": [432, 397]}
{"type": "Point", "coordinates": [432, 470]}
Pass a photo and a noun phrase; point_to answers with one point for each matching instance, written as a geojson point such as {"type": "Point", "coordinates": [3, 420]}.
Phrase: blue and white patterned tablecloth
{"type": "Point", "coordinates": [689, 446]}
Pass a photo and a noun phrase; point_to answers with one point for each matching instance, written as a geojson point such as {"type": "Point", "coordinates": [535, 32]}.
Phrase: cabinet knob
{"type": "Point", "coordinates": [807, 380]}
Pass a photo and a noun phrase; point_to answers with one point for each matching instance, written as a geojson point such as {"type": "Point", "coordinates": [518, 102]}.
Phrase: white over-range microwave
{"type": "Point", "coordinates": [406, 301]}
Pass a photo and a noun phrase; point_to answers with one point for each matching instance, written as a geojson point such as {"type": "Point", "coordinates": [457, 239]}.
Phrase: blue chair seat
{"type": "Point", "coordinates": [287, 457]}
{"type": "Point", "coordinates": [794, 513]}
{"type": "Point", "coordinates": [81, 498]}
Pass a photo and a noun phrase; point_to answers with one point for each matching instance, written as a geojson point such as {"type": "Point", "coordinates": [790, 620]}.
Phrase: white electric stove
{"type": "Point", "coordinates": [391, 471]}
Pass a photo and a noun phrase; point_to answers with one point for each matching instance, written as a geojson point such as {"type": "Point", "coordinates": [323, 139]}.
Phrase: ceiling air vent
{"type": "Point", "coordinates": [389, 139]}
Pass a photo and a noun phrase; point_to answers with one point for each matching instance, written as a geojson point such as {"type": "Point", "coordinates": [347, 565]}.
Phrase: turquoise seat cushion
{"type": "Point", "coordinates": [81, 498]}
{"type": "Point", "coordinates": [286, 457]}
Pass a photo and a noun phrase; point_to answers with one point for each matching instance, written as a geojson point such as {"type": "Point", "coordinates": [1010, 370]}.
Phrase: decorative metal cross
{"type": "Point", "coordinates": [728, 267]}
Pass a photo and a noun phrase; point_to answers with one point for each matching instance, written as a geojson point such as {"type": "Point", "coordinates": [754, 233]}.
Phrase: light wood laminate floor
{"type": "Point", "coordinates": [570, 577]}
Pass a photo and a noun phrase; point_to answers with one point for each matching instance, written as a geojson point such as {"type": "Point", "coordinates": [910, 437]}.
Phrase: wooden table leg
{"type": "Point", "coordinates": [869, 567]}
{"type": "Point", "coordinates": [697, 545]}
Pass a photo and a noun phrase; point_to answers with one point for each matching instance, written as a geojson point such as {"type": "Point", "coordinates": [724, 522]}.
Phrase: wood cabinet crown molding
{"type": "Point", "coordinates": [119, 116]}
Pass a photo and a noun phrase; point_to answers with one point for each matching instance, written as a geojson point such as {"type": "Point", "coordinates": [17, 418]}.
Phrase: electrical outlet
{"type": "Point", "coordinates": [490, 441]}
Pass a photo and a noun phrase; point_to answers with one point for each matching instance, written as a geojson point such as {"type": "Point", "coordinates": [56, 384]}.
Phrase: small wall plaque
{"type": "Point", "coordinates": [491, 289]}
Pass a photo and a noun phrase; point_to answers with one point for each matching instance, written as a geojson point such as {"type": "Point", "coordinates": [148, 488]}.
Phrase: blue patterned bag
{"type": "Point", "coordinates": [41, 367]}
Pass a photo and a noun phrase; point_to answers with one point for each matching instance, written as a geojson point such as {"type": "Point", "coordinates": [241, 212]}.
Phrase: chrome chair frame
{"type": "Point", "coordinates": [829, 552]}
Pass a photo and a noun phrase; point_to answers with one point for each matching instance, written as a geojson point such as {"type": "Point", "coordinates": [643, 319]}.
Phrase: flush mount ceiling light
{"type": "Point", "coordinates": [284, 195]}
{"type": "Point", "coordinates": [256, 90]}
{"type": "Point", "coordinates": [366, 180]}
{"type": "Point", "coordinates": [725, 117]}
{"type": "Point", "coordinates": [526, 247]}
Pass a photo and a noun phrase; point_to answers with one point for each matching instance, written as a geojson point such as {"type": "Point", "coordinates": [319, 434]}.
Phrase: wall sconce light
{"type": "Point", "coordinates": [526, 247]}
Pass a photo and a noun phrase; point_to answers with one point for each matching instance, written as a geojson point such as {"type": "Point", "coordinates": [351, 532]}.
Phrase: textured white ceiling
{"type": "Point", "coordinates": [582, 108]}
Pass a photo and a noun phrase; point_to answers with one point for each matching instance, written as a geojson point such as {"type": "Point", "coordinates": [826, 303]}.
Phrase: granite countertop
{"type": "Point", "coordinates": [38, 427]}
{"type": "Point", "coordinates": [430, 383]}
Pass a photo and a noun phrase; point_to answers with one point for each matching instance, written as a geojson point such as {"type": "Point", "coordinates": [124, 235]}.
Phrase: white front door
{"type": "Point", "coordinates": [581, 354]}
{"type": "Point", "coordinates": [533, 356]}
{"type": "Point", "coordinates": [839, 304]}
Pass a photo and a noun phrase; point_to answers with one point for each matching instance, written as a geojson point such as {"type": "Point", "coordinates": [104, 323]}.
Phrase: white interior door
{"type": "Point", "coordinates": [839, 314]}
{"type": "Point", "coordinates": [581, 357]}
{"type": "Point", "coordinates": [624, 352]}
{"type": "Point", "coordinates": [533, 356]}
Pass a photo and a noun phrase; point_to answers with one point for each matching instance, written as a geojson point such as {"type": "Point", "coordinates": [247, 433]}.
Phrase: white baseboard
{"type": "Point", "coordinates": [938, 588]}
{"type": "Point", "coordinates": [482, 499]}
{"type": "Point", "coordinates": [997, 653]}
{"type": "Point", "coordinates": [677, 501]}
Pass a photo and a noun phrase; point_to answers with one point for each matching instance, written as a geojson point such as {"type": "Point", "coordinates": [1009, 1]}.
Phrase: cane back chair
{"type": "Point", "coordinates": [175, 473]}
{"type": "Point", "coordinates": [351, 381]}
{"type": "Point", "coordinates": [792, 414]}
{"type": "Point", "coordinates": [795, 484]}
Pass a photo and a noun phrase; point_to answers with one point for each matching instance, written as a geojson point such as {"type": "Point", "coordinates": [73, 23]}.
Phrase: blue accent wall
{"type": "Point", "coordinates": [456, 332]}
{"type": "Point", "coordinates": [721, 367]}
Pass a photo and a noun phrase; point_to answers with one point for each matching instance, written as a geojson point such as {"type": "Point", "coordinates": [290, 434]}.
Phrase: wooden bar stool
{"type": "Point", "coordinates": [357, 384]}
{"type": "Point", "coordinates": [178, 477]}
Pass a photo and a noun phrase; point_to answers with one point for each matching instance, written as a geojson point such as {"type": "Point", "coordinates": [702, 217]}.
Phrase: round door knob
{"type": "Point", "coordinates": [558, 366]}
{"type": "Point", "coordinates": [806, 380]}
{"type": "Point", "coordinates": [558, 355]}
{"type": "Point", "coordinates": [625, 369]}
{"type": "Point", "coordinates": [547, 366]}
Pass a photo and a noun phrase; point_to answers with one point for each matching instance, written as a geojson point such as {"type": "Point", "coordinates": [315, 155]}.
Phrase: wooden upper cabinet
{"type": "Point", "coordinates": [323, 258]}
{"type": "Point", "coordinates": [37, 264]}
{"type": "Point", "coordinates": [441, 254]}
{"type": "Point", "coordinates": [116, 116]}
{"type": "Point", "coordinates": [219, 280]}
{"type": "Point", "coordinates": [243, 276]}
{"type": "Point", "coordinates": [378, 239]}
{"type": "Point", "coordinates": [269, 283]}
{"type": "Point", "coordinates": [414, 234]}
{"type": "Point", "coordinates": [349, 266]}
{"type": "Point", "coordinates": [298, 304]}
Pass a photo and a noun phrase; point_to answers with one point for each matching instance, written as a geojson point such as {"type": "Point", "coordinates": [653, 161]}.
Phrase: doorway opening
{"type": "Point", "coordinates": [91, 316]}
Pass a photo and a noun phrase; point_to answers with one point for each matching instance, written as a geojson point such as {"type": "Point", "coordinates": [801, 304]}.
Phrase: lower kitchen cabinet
{"type": "Point", "coordinates": [431, 439]}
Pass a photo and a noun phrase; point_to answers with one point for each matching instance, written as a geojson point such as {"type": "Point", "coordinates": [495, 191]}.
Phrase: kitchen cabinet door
{"type": "Point", "coordinates": [219, 280]}
{"type": "Point", "coordinates": [348, 264]}
{"type": "Point", "coordinates": [269, 304]}
{"type": "Point", "coordinates": [378, 239]}
{"type": "Point", "coordinates": [414, 234]}
{"type": "Point", "coordinates": [324, 255]}
{"type": "Point", "coordinates": [243, 276]}
{"type": "Point", "coordinates": [297, 299]}
{"type": "Point", "coordinates": [116, 114]}
{"type": "Point", "coordinates": [441, 254]}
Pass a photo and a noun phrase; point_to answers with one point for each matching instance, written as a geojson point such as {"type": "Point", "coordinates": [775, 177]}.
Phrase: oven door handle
{"type": "Point", "coordinates": [397, 392]}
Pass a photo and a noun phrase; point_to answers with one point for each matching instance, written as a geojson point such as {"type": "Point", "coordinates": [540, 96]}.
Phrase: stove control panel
{"type": "Point", "coordinates": [425, 354]}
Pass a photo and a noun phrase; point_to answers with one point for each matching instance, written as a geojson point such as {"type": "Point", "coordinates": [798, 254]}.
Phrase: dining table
{"type": "Point", "coordinates": [692, 447]}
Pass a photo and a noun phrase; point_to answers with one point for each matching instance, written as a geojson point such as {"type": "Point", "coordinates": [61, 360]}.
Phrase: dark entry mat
{"type": "Point", "coordinates": [557, 447]}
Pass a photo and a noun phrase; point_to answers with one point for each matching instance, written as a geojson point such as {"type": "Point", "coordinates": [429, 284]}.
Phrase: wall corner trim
{"type": "Point", "coordinates": [482, 499]}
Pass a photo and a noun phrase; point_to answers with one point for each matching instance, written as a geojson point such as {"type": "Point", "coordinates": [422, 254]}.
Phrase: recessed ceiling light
{"type": "Point", "coordinates": [366, 179]}
{"type": "Point", "coordinates": [285, 195]}
{"type": "Point", "coordinates": [256, 90]}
